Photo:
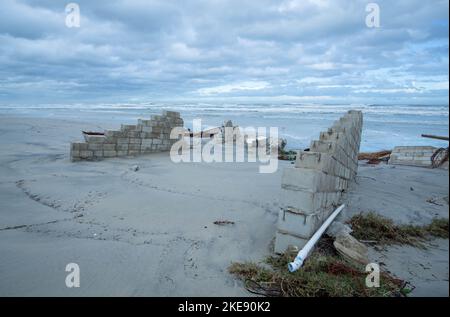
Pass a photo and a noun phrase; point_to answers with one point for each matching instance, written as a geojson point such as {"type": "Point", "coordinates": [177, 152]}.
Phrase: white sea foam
{"type": "Point", "coordinates": [384, 125]}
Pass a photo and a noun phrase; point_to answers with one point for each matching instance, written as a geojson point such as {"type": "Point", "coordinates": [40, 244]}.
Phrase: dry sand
{"type": "Point", "coordinates": [402, 194]}
{"type": "Point", "coordinates": [150, 232]}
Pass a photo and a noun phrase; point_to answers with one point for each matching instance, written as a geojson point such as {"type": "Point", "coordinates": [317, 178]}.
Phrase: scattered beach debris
{"type": "Point", "coordinates": [351, 249]}
{"type": "Point", "coordinates": [346, 245]}
{"type": "Point", "coordinates": [439, 157]}
{"type": "Point", "coordinates": [135, 168]}
{"type": "Point", "coordinates": [292, 250]}
{"type": "Point", "coordinates": [434, 201]}
{"type": "Point", "coordinates": [287, 155]}
{"type": "Point", "coordinates": [283, 154]}
{"type": "Point", "coordinates": [337, 228]}
{"type": "Point", "coordinates": [375, 157]}
{"type": "Point", "coordinates": [373, 227]}
{"type": "Point", "coordinates": [223, 222]}
{"type": "Point", "coordinates": [323, 275]}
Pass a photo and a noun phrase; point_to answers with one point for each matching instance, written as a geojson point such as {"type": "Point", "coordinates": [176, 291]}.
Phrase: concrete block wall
{"type": "Point", "coordinates": [146, 136]}
{"type": "Point", "coordinates": [412, 155]}
{"type": "Point", "coordinates": [311, 190]}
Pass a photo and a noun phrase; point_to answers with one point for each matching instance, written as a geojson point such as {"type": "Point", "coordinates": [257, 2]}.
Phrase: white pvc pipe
{"type": "Point", "coordinates": [303, 254]}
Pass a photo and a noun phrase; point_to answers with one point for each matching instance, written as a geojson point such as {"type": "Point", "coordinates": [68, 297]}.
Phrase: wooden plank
{"type": "Point", "coordinates": [437, 137]}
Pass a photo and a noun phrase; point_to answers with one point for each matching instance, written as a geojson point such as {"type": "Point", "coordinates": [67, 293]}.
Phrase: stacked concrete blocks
{"type": "Point", "coordinates": [311, 190]}
{"type": "Point", "coordinates": [412, 155]}
{"type": "Point", "coordinates": [147, 136]}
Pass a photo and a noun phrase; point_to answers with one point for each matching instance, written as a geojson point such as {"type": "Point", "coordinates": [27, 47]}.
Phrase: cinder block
{"type": "Point", "coordinates": [95, 146]}
{"type": "Point", "coordinates": [173, 114]}
{"type": "Point", "coordinates": [156, 130]}
{"type": "Point", "coordinates": [111, 140]}
{"type": "Point", "coordinates": [300, 224]}
{"type": "Point", "coordinates": [122, 147]}
{"type": "Point", "coordinates": [86, 154]}
{"type": "Point", "coordinates": [155, 117]}
{"type": "Point", "coordinates": [145, 135]}
{"type": "Point", "coordinates": [109, 153]}
{"type": "Point", "coordinates": [133, 152]}
{"type": "Point", "coordinates": [147, 129]}
{"type": "Point", "coordinates": [135, 141]}
{"type": "Point", "coordinates": [79, 146]}
{"type": "Point", "coordinates": [122, 153]}
{"type": "Point", "coordinates": [123, 141]}
{"type": "Point", "coordinates": [413, 149]}
{"type": "Point", "coordinates": [134, 147]}
{"type": "Point", "coordinates": [410, 163]}
{"type": "Point", "coordinates": [144, 123]}
{"type": "Point", "coordinates": [324, 162]}
{"type": "Point", "coordinates": [307, 180]}
{"type": "Point", "coordinates": [177, 122]}
{"type": "Point", "coordinates": [133, 134]}
{"type": "Point", "coordinates": [94, 138]}
{"type": "Point", "coordinates": [109, 147]}
{"type": "Point", "coordinates": [113, 134]}
{"type": "Point", "coordinates": [147, 142]}
{"type": "Point", "coordinates": [306, 202]}
{"type": "Point", "coordinates": [323, 146]}
{"type": "Point", "coordinates": [128, 127]}
{"type": "Point", "coordinates": [333, 199]}
{"type": "Point", "coordinates": [74, 154]}
{"type": "Point", "coordinates": [98, 154]}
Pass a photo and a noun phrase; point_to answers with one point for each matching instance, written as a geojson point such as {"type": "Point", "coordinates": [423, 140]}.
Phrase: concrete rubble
{"type": "Point", "coordinates": [147, 136]}
{"type": "Point", "coordinates": [350, 248]}
{"type": "Point", "coordinates": [412, 155]}
{"type": "Point", "coordinates": [311, 190]}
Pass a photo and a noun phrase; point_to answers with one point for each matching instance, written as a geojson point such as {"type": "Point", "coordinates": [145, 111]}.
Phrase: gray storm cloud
{"type": "Point", "coordinates": [294, 50]}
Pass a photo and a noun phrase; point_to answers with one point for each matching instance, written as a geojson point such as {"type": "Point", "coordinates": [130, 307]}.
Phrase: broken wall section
{"type": "Point", "coordinates": [147, 136]}
{"type": "Point", "coordinates": [412, 155]}
{"type": "Point", "coordinates": [311, 190]}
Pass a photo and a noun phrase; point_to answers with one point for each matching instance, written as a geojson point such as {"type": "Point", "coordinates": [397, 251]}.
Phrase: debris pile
{"type": "Point", "coordinates": [375, 157]}
{"type": "Point", "coordinates": [325, 274]}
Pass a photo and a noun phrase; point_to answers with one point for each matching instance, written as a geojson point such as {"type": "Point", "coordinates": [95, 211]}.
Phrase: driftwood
{"type": "Point", "coordinates": [93, 133]}
{"type": "Point", "coordinates": [437, 137]}
{"type": "Point", "coordinates": [373, 155]}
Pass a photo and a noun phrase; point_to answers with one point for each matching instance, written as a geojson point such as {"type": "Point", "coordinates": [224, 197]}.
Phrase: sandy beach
{"type": "Point", "coordinates": [401, 193]}
{"type": "Point", "coordinates": [151, 232]}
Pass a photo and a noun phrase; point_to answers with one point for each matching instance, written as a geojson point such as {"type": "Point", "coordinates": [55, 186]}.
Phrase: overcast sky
{"type": "Point", "coordinates": [294, 50]}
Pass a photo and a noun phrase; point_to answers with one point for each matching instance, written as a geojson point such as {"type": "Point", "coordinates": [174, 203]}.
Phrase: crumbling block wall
{"type": "Point", "coordinates": [146, 136]}
{"type": "Point", "coordinates": [412, 155]}
{"type": "Point", "coordinates": [311, 190]}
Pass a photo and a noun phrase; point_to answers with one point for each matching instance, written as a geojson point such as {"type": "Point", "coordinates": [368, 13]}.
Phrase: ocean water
{"type": "Point", "coordinates": [385, 126]}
